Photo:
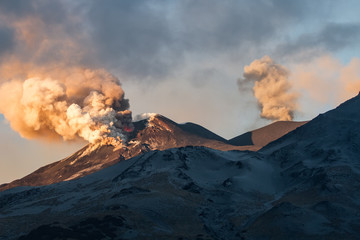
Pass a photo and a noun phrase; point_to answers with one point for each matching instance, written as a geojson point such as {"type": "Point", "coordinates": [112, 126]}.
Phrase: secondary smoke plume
{"type": "Point", "coordinates": [271, 89]}
{"type": "Point", "coordinates": [69, 103]}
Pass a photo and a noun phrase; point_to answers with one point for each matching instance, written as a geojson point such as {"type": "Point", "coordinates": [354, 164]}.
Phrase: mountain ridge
{"type": "Point", "coordinates": [154, 133]}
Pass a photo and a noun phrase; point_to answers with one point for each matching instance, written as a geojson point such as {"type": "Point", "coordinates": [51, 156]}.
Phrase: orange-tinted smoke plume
{"type": "Point", "coordinates": [70, 103]}
{"type": "Point", "coordinates": [45, 92]}
{"type": "Point", "coordinates": [271, 88]}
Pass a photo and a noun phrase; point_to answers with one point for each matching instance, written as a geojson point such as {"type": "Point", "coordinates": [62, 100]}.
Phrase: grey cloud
{"type": "Point", "coordinates": [19, 8]}
{"type": "Point", "coordinates": [145, 38]}
{"type": "Point", "coordinates": [203, 77]}
{"type": "Point", "coordinates": [133, 36]}
{"type": "Point", "coordinates": [224, 25]}
{"type": "Point", "coordinates": [58, 34]}
{"type": "Point", "coordinates": [7, 40]}
{"type": "Point", "coordinates": [332, 37]}
{"type": "Point", "coordinates": [153, 38]}
{"type": "Point", "coordinates": [336, 36]}
{"type": "Point", "coordinates": [50, 11]}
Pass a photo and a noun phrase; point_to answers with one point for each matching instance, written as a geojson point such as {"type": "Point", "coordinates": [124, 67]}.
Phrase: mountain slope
{"type": "Point", "coordinates": [201, 131]}
{"type": "Point", "coordinates": [154, 133]}
{"type": "Point", "coordinates": [305, 185]}
{"type": "Point", "coordinates": [319, 165]}
{"type": "Point", "coordinates": [263, 136]}
{"type": "Point", "coordinates": [163, 194]}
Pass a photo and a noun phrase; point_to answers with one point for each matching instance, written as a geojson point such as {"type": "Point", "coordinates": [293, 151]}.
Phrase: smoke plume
{"type": "Point", "coordinates": [271, 89]}
{"type": "Point", "coordinates": [49, 87]}
{"type": "Point", "coordinates": [70, 103]}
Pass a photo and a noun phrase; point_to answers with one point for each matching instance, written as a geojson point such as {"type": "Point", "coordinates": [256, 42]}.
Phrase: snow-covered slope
{"type": "Point", "coordinates": [305, 185]}
{"type": "Point", "coordinates": [171, 194]}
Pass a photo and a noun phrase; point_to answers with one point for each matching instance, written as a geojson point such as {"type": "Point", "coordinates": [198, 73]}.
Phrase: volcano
{"type": "Point", "coordinates": [303, 185]}
{"type": "Point", "coordinates": [153, 133]}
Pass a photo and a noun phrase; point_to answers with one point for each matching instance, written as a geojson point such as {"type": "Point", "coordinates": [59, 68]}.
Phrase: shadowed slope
{"type": "Point", "coordinates": [201, 131]}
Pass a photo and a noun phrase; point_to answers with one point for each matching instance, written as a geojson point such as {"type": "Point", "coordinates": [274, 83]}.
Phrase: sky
{"type": "Point", "coordinates": [182, 59]}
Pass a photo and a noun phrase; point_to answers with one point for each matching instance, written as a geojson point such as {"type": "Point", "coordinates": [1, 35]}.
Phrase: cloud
{"type": "Point", "coordinates": [325, 82]}
{"type": "Point", "coordinates": [331, 37]}
{"type": "Point", "coordinates": [7, 40]}
{"type": "Point", "coordinates": [21, 7]}
{"type": "Point", "coordinates": [44, 33]}
{"type": "Point", "coordinates": [150, 41]}
{"type": "Point", "coordinates": [132, 36]}
{"type": "Point", "coordinates": [218, 26]}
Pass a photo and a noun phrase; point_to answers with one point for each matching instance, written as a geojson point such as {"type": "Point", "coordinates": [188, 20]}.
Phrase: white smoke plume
{"type": "Point", "coordinates": [68, 103]}
{"type": "Point", "coordinates": [271, 88]}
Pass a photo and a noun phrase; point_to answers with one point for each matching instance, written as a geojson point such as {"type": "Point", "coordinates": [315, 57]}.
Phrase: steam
{"type": "Point", "coordinates": [67, 103]}
{"type": "Point", "coordinates": [271, 88]}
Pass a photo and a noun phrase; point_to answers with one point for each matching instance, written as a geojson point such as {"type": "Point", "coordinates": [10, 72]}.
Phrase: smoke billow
{"type": "Point", "coordinates": [49, 87]}
{"type": "Point", "coordinates": [69, 103]}
{"type": "Point", "coordinates": [271, 89]}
